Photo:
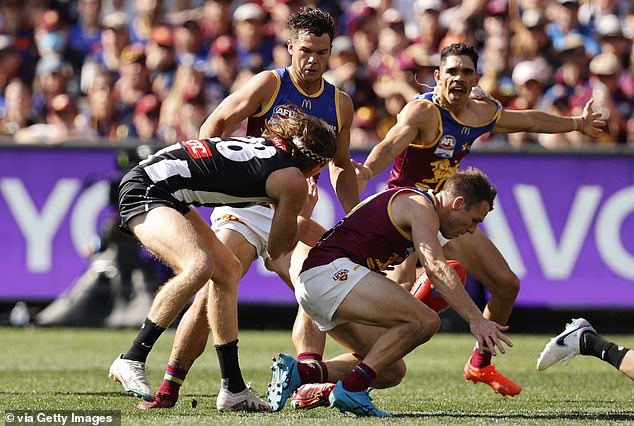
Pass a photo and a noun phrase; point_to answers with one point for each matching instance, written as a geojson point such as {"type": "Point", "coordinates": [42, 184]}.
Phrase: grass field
{"type": "Point", "coordinates": [65, 369]}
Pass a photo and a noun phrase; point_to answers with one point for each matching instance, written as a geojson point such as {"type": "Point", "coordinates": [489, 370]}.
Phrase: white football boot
{"type": "Point", "coordinates": [133, 377]}
{"type": "Point", "coordinates": [247, 400]}
{"type": "Point", "coordinates": [565, 346]}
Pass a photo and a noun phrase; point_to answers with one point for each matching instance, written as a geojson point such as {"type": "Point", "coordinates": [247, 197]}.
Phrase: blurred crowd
{"type": "Point", "coordinates": [152, 70]}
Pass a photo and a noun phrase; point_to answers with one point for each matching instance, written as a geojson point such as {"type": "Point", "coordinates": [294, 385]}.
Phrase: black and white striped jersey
{"type": "Point", "coordinates": [218, 171]}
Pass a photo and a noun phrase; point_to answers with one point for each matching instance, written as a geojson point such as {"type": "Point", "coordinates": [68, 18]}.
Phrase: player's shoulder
{"type": "Point", "coordinates": [419, 111]}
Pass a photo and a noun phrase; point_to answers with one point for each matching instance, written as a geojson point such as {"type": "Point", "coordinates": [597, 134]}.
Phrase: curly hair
{"type": "Point", "coordinates": [473, 185]}
{"type": "Point", "coordinates": [309, 139]}
{"type": "Point", "coordinates": [459, 49]}
{"type": "Point", "coordinates": [313, 21]}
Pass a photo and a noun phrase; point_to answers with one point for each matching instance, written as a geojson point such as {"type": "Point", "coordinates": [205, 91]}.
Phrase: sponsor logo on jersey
{"type": "Point", "coordinates": [341, 275]}
{"type": "Point", "coordinates": [229, 218]}
{"type": "Point", "coordinates": [197, 149]}
{"type": "Point", "coordinates": [445, 147]}
{"type": "Point", "coordinates": [277, 143]}
{"type": "Point", "coordinates": [307, 104]}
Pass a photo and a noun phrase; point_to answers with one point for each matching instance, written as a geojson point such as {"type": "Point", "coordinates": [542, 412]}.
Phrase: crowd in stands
{"type": "Point", "coordinates": [114, 70]}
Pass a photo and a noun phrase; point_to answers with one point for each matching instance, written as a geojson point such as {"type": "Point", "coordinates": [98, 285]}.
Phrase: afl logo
{"type": "Point", "coordinates": [445, 147]}
{"type": "Point", "coordinates": [283, 113]}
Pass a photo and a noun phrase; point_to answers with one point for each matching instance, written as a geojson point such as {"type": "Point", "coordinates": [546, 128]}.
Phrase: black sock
{"type": "Point", "coordinates": [229, 367]}
{"type": "Point", "coordinates": [144, 341]}
{"type": "Point", "coordinates": [595, 345]}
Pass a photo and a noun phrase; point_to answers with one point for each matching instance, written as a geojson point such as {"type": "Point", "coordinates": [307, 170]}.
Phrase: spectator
{"type": "Point", "coordinates": [146, 118]}
{"type": "Point", "coordinates": [253, 44]}
{"type": "Point", "coordinates": [610, 35]}
{"type": "Point", "coordinates": [102, 115]}
{"type": "Point", "coordinates": [147, 16]}
{"type": "Point", "coordinates": [134, 80]}
{"type": "Point", "coordinates": [61, 125]}
{"type": "Point", "coordinates": [224, 68]}
{"type": "Point", "coordinates": [85, 34]}
{"type": "Point", "coordinates": [556, 101]}
{"type": "Point", "coordinates": [566, 22]}
{"type": "Point", "coordinates": [430, 32]}
{"type": "Point", "coordinates": [11, 61]}
{"type": "Point", "coordinates": [530, 40]}
{"type": "Point", "coordinates": [216, 18]}
{"type": "Point", "coordinates": [114, 38]}
{"type": "Point", "coordinates": [496, 70]}
{"type": "Point", "coordinates": [530, 79]}
{"type": "Point", "coordinates": [51, 76]}
{"type": "Point", "coordinates": [345, 72]}
{"type": "Point", "coordinates": [363, 27]}
{"type": "Point", "coordinates": [51, 35]}
{"type": "Point", "coordinates": [160, 59]}
{"type": "Point", "coordinates": [188, 42]}
{"type": "Point", "coordinates": [609, 97]}
{"type": "Point", "coordinates": [363, 134]}
{"type": "Point", "coordinates": [17, 107]}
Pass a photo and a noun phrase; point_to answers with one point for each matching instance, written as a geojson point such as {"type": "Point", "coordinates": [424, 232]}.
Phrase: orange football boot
{"type": "Point", "coordinates": [491, 377]}
{"type": "Point", "coordinates": [312, 395]}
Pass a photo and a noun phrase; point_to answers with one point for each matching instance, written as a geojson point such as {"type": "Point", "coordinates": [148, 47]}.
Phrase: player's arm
{"type": "Point", "coordinates": [414, 213]}
{"type": "Point", "coordinates": [415, 118]}
{"type": "Point", "coordinates": [239, 105]}
{"type": "Point", "coordinates": [589, 123]}
{"type": "Point", "coordinates": [289, 188]}
{"type": "Point", "coordinates": [342, 174]}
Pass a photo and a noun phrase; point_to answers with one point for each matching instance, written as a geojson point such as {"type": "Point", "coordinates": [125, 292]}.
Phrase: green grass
{"type": "Point", "coordinates": [65, 369]}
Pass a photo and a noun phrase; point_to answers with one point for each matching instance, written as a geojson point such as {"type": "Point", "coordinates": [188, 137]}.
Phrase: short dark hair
{"type": "Point", "coordinates": [313, 21]}
{"type": "Point", "coordinates": [459, 49]}
{"type": "Point", "coordinates": [473, 185]}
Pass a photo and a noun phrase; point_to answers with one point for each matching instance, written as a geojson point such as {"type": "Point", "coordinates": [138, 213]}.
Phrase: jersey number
{"type": "Point", "coordinates": [244, 149]}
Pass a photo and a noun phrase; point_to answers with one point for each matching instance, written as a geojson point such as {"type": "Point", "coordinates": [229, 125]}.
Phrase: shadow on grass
{"type": "Point", "coordinates": [621, 417]}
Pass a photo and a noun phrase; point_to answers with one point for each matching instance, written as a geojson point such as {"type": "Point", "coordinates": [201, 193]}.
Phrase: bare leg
{"type": "Point", "coordinates": [627, 365]}
{"type": "Point", "coordinates": [485, 263]}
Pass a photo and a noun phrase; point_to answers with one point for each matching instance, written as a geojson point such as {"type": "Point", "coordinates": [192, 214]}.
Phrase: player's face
{"type": "Point", "coordinates": [309, 56]}
{"type": "Point", "coordinates": [461, 220]}
{"type": "Point", "coordinates": [456, 77]}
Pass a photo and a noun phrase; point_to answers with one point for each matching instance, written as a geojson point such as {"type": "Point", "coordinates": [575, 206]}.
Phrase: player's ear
{"type": "Point", "coordinates": [437, 75]}
{"type": "Point", "coordinates": [289, 46]}
{"type": "Point", "coordinates": [457, 203]}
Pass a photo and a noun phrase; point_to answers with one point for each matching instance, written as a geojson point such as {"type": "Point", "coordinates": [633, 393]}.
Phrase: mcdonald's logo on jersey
{"type": "Point", "coordinates": [307, 104]}
{"type": "Point", "coordinates": [465, 131]}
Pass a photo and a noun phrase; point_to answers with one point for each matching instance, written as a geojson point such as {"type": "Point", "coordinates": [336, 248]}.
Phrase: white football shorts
{"type": "Point", "coordinates": [253, 223]}
{"type": "Point", "coordinates": [320, 290]}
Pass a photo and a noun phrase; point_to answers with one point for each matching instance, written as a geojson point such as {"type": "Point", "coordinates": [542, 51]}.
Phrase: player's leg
{"type": "Point", "coordinates": [194, 256]}
{"type": "Point", "coordinates": [193, 330]}
{"type": "Point", "coordinates": [580, 338]}
{"type": "Point", "coordinates": [372, 302]}
{"type": "Point", "coordinates": [362, 297]}
{"type": "Point", "coordinates": [485, 263]}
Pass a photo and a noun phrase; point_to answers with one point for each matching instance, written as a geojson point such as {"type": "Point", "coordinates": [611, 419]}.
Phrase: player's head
{"type": "Point", "coordinates": [459, 49]}
{"type": "Point", "coordinates": [312, 21]}
{"type": "Point", "coordinates": [468, 196]}
{"type": "Point", "coordinates": [457, 73]}
{"type": "Point", "coordinates": [309, 139]}
{"type": "Point", "coordinates": [312, 32]}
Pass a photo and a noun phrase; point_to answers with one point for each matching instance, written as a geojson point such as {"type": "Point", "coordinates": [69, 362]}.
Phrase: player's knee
{"type": "Point", "coordinates": [390, 376]}
{"type": "Point", "coordinates": [425, 325]}
{"type": "Point", "coordinates": [508, 288]}
{"type": "Point", "coordinates": [199, 268]}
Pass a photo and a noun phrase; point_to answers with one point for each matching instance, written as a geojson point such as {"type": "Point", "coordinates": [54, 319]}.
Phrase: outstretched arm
{"type": "Point", "coordinates": [238, 106]}
{"type": "Point", "coordinates": [416, 119]}
{"type": "Point", "coordinates": [414, 212]}
{"type": "Point", "coordinates": [589, 122]}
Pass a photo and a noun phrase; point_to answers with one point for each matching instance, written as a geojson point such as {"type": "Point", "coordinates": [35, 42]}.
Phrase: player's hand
{"type": "Point", "coordinates": [489, 334]}
{"type": "Point", "coordinates": [592, 123]}
{"type": "Point", "coordinates": [313, 197]}
{"type": "Point", "coordinates": [363, 174]}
